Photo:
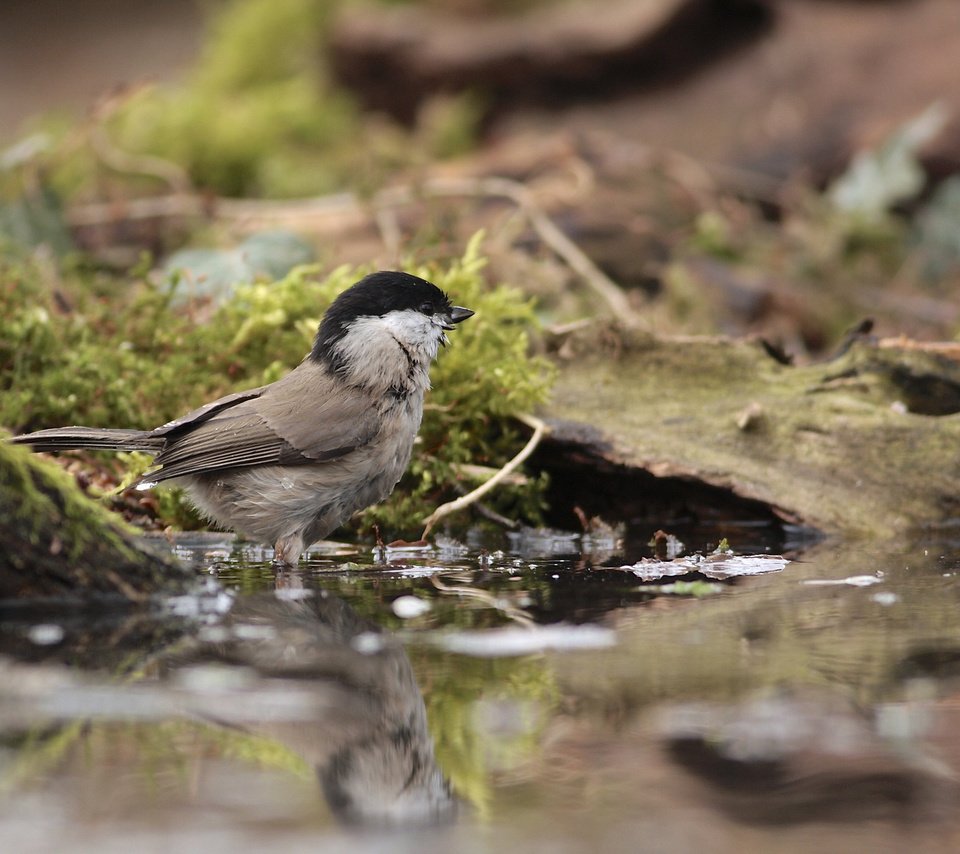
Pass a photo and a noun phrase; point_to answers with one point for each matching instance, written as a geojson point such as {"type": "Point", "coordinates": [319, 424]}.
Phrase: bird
{"type": "Point", "coordinates": [289, 462]}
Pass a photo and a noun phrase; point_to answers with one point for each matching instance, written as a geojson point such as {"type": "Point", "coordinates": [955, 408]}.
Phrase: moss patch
{"type": "Point", "coordinates": [56, 542]}
{"type": "Point", "coordinates": [131, 359]}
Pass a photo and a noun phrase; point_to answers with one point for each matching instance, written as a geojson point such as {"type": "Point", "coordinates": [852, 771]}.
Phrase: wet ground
{"type": "Point", "coordinates": [531, 696]}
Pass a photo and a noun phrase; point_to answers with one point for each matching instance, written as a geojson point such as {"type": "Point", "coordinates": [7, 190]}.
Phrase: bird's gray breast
{"type": "Point", "coordinates": [369, 474]}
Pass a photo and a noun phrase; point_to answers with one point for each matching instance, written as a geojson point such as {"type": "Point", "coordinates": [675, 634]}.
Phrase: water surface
{"type": "Point", "coordinates": [526, 693]}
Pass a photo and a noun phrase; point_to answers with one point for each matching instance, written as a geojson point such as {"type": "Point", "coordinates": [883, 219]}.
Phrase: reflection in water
{"type": "Point", "coordinates": [770, 715]}
{"type": "Point", "coordinates": [806, 755]}
{"type": "Point", "coordinates": [369, 742]}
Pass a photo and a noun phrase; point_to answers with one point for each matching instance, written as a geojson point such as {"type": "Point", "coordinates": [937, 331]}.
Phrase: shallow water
{"type": "Point", "coordinates": [529, 694]}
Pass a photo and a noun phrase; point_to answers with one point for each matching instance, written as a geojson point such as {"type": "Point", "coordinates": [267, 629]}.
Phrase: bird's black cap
{"type": "Point", "coordinates": [374, 296]}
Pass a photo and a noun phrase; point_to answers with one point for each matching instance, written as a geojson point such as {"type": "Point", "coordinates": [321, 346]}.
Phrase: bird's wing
{"type": "Point", "coordinates": [204, 413]}
{"type": "Point", "coordinates": [319, 414]}
{"type": "Point", "coordinates": [305, 417]}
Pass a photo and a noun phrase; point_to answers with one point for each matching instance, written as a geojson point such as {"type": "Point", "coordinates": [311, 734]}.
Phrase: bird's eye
{"type": "Point", "coordinates": [426, 308]}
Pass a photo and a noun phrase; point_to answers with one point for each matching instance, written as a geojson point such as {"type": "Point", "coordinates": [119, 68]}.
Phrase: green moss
{"type": "Point", "coordinates": [259, 115]}
{"type": "Point", "coordinates": [264, 751]}
{"type": "Point", "coordinates": [696, 589]}
{"type": "Point", "coordinates": [134, 361]}
{"type": "Point", "coordinates": [48, 501]}
{"type": "Point", "coordinates": [42, 751]}
{"type": "Point", "coordinates": [256, 100]}
{"type": "Point", "coordinates": [160, 750]}
{"type": "Point", "coordinates": [56, 542]}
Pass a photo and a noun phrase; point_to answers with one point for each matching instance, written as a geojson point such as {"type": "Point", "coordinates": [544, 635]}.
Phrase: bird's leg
{"type": "Point", "coordinates": [287, 550]}
{"type": "Point", "coordinates": [379, 550]}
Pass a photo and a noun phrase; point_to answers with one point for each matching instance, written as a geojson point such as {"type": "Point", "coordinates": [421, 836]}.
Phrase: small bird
{"type": "Point", "coordinates": [288, 462]}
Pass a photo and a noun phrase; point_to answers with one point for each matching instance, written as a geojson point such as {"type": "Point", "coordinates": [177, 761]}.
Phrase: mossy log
{"type": "Point", "coordinates": [55, 542]}
{"type": "Point", "coordinates": [864, 444]}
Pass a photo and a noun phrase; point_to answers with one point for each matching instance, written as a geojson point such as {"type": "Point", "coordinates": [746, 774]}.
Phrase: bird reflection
{"type": "Point", "coordinates": [368, 740]}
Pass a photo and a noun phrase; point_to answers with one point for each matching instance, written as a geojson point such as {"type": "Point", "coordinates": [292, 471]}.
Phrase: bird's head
{"type": "Point", "coordinates": [386, 315]}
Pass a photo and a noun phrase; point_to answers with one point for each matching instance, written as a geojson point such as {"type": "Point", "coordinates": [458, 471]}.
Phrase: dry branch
{"type": "Point", "coordinates": [464, 501]}
{"type": "Point", "coordinates": [343, 210]}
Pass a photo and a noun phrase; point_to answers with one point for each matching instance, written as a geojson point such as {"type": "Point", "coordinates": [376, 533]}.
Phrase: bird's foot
{"type": "Point", "coordinates": [287, 551]}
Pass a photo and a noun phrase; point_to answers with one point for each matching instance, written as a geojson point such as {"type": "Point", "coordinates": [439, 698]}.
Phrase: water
{"type": "Point", "coordinates": [523, 695]}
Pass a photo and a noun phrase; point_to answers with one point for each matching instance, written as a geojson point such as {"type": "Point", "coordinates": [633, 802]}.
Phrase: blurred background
{"type": "Point", "coordinates": [733, 165]}
{"type": "Point", "coordinates": [62, 57]}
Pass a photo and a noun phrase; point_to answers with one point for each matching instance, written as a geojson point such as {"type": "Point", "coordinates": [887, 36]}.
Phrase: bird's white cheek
{"type": "Point", "coordinates": [408, 326]}
{"type": "Point", "coordinates": [416, 331]}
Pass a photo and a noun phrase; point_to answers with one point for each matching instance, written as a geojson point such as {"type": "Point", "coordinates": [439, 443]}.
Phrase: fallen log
{"type": "Point", "coordinates": [864, 444]}
{"type": "Point", "coordinates": [394, 59]}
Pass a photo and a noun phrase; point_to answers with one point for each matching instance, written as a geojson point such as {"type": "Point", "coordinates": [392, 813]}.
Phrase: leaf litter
{"type": "Point", "coordinates": [717, 566]}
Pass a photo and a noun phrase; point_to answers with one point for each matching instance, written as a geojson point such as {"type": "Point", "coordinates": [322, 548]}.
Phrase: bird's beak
{"type": "Point", "coordinates": [456, 315]}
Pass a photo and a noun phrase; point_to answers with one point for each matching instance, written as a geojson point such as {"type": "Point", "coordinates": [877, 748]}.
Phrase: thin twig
{"type": "Point", "coordinates": [481, 473]}
{"type": "Point", "coordinates": [131, 210]}
{"type": "Point", "coordinates": [492, 515]}
{"type": "Point", "coordinates": [489, 513]}
{"type": "Point", "coordinates": [539, 431]}
{"type": "Point", "coordinates": [346, 208]}
{"type": "Point", "coordinates": [390, 234]}
{"type": "Point", "coordinates": [126, 589]}
{"type": "Point", "coordinates": [549, 232]}
{"type": "Point", "coordinates": [491, 600]}
{"type": "Point", "coordinates": [138, 164]}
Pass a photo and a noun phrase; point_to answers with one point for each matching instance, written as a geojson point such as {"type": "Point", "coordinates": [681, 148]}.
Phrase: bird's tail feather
{"type": "Point", "coordinates": [71, 438]}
